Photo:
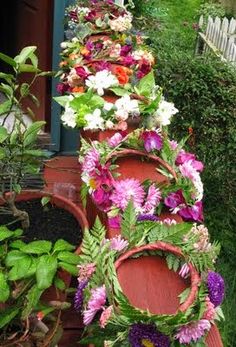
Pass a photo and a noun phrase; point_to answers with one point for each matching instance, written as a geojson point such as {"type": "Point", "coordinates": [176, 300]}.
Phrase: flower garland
{"type": "Point", "coordinates": [107, 313]}
{"type": "Point", "coordinates": [182, 193]}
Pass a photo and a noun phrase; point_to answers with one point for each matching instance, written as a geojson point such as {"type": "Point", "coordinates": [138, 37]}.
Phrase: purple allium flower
{"type": "Point", "coordinates": [81, 72]}
{"type": "Point", "coordinates": [126, 190]}
{"type": "Point", "coordinates": [118, 244]}
{"type": "Point", "coordinates": [152, 200]}
{"type": "Point", "coordinates": [193, 331]}
{"type": "Point", "coordinates": [192, 213]}
{"type": "Point", "coordinates": [125, 50]}
{"type": "Point", "coordinates": [152, 140]}
{"type": "Point", "coordinates": [174, 199]}
{"type": "Point", "coordinates": [147, 217]}
{"type": "Point", "coordinates": [140, 334]}
{"type": "Point", "coordinates": [78, 299]}
{"type": "Point", "coordinates": [95, 304]}
{"type": "Point", "coordinates": [216, 288]}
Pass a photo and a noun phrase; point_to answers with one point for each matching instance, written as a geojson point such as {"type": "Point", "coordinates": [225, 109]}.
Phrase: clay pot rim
{"type": "Point", "coordinates": [164, 246]}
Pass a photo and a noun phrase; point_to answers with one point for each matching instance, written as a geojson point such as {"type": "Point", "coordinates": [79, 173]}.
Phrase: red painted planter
{"type": "Point", "coordinates": [61, 202]}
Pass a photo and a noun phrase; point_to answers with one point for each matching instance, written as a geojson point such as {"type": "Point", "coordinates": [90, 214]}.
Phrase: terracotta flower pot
{"type": "Point", "coordinates": [64, 203]}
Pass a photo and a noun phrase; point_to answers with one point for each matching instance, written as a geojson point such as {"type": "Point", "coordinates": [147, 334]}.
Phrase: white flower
{"type": "Point", "coordinates": [102, 80]}
{"type": "Point", "coordinates": [141, 54]}
{"type": "Point", "coordinates": [69, 117]}
{"type": "Point", "coordinates": [164, 112]}
{"type": "Point", "coordinates": [75, 39]}
{"type": "Point", "coordinates": [83, 10]}
{"type": "Point", "coordinates": [122, 23]}
{"type": "Point", "coordinates": [108, 106]}
{"type": "Point", "coordinates": [64, 45]}
{"type": "Point", "coordinates": [94, 120]}
{"type": "Point", "coordinates": [109, 124]}
{"type": "Point", "coordinates": [125, 107]}
{"type": "Point", "coordinates": [115, 51]}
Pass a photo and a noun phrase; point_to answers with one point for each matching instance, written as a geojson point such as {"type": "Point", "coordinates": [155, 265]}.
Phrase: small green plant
{"type": "Point", "coordinates": [26, 272]}
{"type": "Point", "coordinates": [19, 154]}
{"type": "Point", "coordinates": [211, 9]}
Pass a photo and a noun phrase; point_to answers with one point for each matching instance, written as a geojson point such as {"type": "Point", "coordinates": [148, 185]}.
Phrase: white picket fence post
{"type": "Point", "coordinates": [219, 36]}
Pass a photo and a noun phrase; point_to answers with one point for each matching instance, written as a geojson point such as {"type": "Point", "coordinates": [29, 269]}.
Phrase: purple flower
{"type": "Point", "coordinates": [81, 72]}
{"type": "Point", "coordinates": [174, 199]}
{"type": "Point", "coordinates": [192, 213]}
{"type": "Point", "coordinates": [152, 200]}
{"type": "Point", "coordinates": [78, 299]}
{"type": "Point", "coordinates": [149, 217]}
{"type": "Point", "coordinates": [114, 222]}
{"type": "Point", "coordinates": [116, 139]}
{"type": "Point", "coordinates": [89, 45]}
{"type": "Point", "coordinates": [95, 304]}
{"type": "Point", "coordinates": [152, 140]}
{"type": "Point", "coordinates": [147, 335]}
{"type": "Point", "coordinates": [125, 50]}
{"type": "Point", "coordinates": [216, 288]}
{"type": "Point", "coordinates": [102, 65]}
{"type": "Point", "coordinates": [193, 331]}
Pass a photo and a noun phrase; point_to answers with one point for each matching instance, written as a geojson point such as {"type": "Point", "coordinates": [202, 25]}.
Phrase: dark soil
{"type": "Point", "coordinates": [46, 223]}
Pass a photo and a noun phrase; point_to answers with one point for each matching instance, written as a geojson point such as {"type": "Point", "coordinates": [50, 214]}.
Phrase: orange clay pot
{"type": "Point", "coordinates": [52, 293]}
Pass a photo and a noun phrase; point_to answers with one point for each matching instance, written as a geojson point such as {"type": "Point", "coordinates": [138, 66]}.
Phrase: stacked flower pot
{"type": "Point", "coordinates": [145, 188]}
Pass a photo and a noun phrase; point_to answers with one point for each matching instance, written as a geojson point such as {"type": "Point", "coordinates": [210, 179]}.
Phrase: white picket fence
{"type": "Point", "coordinates": [219, 36]}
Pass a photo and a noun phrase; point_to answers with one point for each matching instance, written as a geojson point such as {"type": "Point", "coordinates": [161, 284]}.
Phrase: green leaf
{"type": "Point", "coordinates": [18, 244]}
{"type": "Point", "coordinates": [37, 247]}
{"type": "Point", "coordinates": [8, 315]}
{"type": "Point", "coordinates": [68, 257]}
{"type": "Point", "coordinates": [183, 296]}
{"type": "Point", "coordinates": [59, 283]}
{"type": "Point", "coordinates": [4, 288]}
{"type": "Point", "coordinates": [7, 77]}
{"type": "Point", "coordinates": [2, 153]}
{"type": "Point", "coordinates": [62, 245]}
{"type": "Point", "coordinates": [128, 221]}
{"type": "Point", "coordinates": [13, 257]}
{"type": "Point", "coordinates": [5, 233]}
{"type": "Point", "coordinates": [5, 107]}
{"type": "Point", "coordinates": [20, 268]}
{"type": "Point", "coordinates": [45, 200]}
{"type": "Point", "coordinates": [34, 99]}
{"type": "Point", "coordinates": [31, 133]}
{"type": "Point", "coordinates": [28, 68]}
{"type": "Point", "coordinates": [32, 298]}
{"type": "Point", "coordinates": [62, 100]}
{"type": "Point", "coordinates": [24, 89]}
{"type": "Point", "coordinates": [72, 269]}
{"type": "Point", "coordinates": [6, 89]}
{"type": "Point", "coordinates": [8, 60]}
{"type": "Point", "coordinates": [146, 84]}
{"type": "Point", "coordinates": [35, 153]}
{"type": "Point", "coordinates": [25, 53]}
{"type": "Point", "coordinates": [46, 271]}
{"type": "Point", "coordinates": [34, 60]}
{"type": "Point", "coordinates": [120, 91]}
{"type": "Point", "coordinates": [83, 194]}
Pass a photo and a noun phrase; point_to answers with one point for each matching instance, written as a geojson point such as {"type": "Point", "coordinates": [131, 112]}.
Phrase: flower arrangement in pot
{"type": "Point", "coordinates": [144, 165]}
{"type": "Point", "coordinates": [108, 314]}
{"type": "Point", "coordinates": [29, 261]}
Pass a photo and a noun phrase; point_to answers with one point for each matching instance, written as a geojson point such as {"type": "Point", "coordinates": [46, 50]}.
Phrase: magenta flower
{"type": "Point", "coordinates": [173, 144]}
{"type": "Point", "coordinates": [62, 88]}
{"type": "Point", "coordinates": [105, 316]}
{"type": "Point", "coordinates": [103, 177]}
{"type": "Point", "coordinates": [184, 157]}
{"type": "Point", "coordinates": [91, 16]}
{"type": "Point", "coordinates": [128, 61]}
{"type": "Point", "coordinates": [192, 213]}
{"type": "Point", "coordinates": [184, 271]}
{"type": "Point", "coordinates": [116, 139]}
{"type": "Point", "coordinates": [210, 312]}
{"type": "Point", "coordinates": [126, 190]}
{"type": "Point", "coordinates": [174, 199]}
{"type": "Point", "coordinates": [187, 170]}
{"type": "Point", "coordinates": [144, 69]}
{"type": "Point", "coordinates": [152, 200]}
{"type": "Point", "coordinates": [81, 72]}
{"type": "Point", "coordinates": [125, 50]}
{"type": "Point", "coordinates": [90, 161]}
{"type": "Point", "coordinates": [114, 222]}
{"type": "Point", "coordinates": [118, 244]}
{"type": "Point", "coordinates": [95, 304]}
{"type": "Point", "coordinates": [102, 65]}
{"type": "Point", "coordinates": [102, 199]}
{"type": "Point", "coordinates": [193, 331]}
{"type": "Point", "coordinates": [152, 140]}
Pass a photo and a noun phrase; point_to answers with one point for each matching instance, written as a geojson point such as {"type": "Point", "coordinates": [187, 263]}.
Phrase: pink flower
{"type": "Point", "coordinates": [126, 190]}
{"type": "Point", "coordinates": [173, 144]}
{"type": "Point", "coordinates": [116, 139]}
{"type": "Point", "coordinates": [90, 161]}
{"type": "Point", "coordinates": [103, 177]}
{"type": "Point", "coordinates": [114, 222]}
{"type": "Point", "coordinates": [169, 221]}
{"type": "Point", "coordinates": [118, 244]}
{"type": "Point", "coordinates": [86, 271]}
{"type": "Point", "coordinates": [210, 312]}
{"type": "Point", "coordinates": [193, 331]}
{"type": "Point", "coordinates": [153, 199]}
{"type": "Point", "coordinates": [122, 125]}
{"type": "Point", "coordinates": [186, 157]}
{"type": "Point", "coordinates": [96, 303]}
{"type": "Point", "coordinates": [152, 140]}
{"type": "Point", "coordinates": [184, 271]}
{"type": "Point", "coordinates": [105, 316]}
{"type": "Point", "coordinates": [192, 213]}
{"type": "Point", "coordinates": [102, 199]}
{"type": "Point", "coordinates": [187, 170]}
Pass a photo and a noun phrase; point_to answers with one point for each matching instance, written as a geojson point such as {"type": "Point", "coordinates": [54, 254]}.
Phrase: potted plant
{"type": "Point", "coordinates": [27, 270]}
{"type": "Point", "coordinates": [119, 302]}
{"type": "Point", "coordinates": [146, 166]}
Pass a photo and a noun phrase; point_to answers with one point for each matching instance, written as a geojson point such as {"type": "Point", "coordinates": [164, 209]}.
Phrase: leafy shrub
{"type": "Point", "coordinates": [212, 9]}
